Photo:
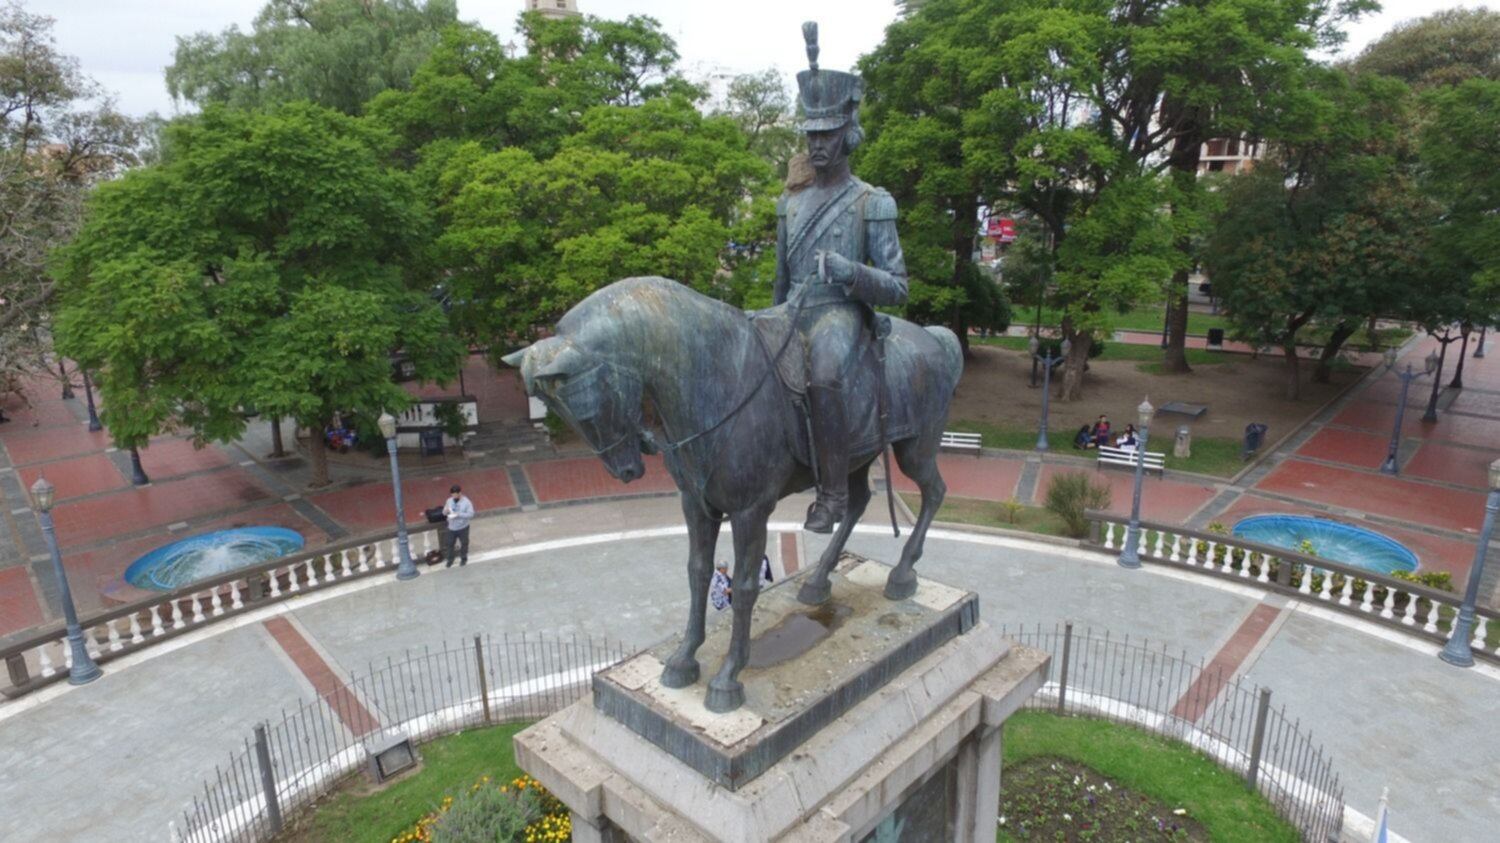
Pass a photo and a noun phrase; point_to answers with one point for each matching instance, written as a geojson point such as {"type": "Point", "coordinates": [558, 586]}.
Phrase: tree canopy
{"type": "Point", "coordinates": [1444, 48]}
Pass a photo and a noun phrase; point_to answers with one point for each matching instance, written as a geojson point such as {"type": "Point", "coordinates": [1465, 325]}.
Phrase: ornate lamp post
{"type": "Point", "coordinates": [1390, 466]}
{"type": "Point", "coordinates": [1457, 651]}
{"type": "Point", "coordinates": [406, 569]}
{"type": "Point", "coordinates": [88, 394]}
{"type": "Point", "coordinates": [1048, 364]}
{"type": "Point", "coordinates": [83, 670]}
{"type": "Point", "coordinates": [1129, 558]}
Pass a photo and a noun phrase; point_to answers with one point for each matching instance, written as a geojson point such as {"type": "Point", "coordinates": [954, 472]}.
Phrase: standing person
{"type": "Point", "coordinates": [459, 511]}
{"type": "Point", "coordinates": [719, 592]}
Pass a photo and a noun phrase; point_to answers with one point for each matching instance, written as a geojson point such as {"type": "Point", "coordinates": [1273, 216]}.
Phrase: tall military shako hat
{"type": "Point", "coordinates": [829, 97]}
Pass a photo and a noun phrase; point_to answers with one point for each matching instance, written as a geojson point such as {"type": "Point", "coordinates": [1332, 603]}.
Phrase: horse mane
{"type": "Point", "coordinates": [635, 308]}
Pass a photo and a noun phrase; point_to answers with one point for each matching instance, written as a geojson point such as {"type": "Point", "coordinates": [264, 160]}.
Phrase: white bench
{"type": "Point", "coordinates": [960, 441]}
{"type": "Point", "coordinates": [1128, 457]}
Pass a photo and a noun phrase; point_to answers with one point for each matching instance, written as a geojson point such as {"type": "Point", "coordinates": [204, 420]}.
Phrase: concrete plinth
{"type": "Point", "coordinates": [887, 725]}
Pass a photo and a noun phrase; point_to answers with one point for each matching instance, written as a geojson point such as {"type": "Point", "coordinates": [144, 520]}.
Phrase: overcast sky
{"type": "Point", "coordinates": [125, 44]}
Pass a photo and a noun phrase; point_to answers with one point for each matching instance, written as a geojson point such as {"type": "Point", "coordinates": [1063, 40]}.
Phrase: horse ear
{"type": "Point", "coordinates": [516, 358]}
{"type": "Point", "coordinates": [568, 361]}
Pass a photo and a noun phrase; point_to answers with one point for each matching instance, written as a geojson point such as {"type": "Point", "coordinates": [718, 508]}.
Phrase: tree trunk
{"type": "Point", "coordinates": [277, 448]}
{"type": "Point", "coordinates": [319, 453]}
{"type": "Point", "coordinates": [1078, 358]}
{"type": "Point", "coordinates": [1437, 381]}
{"type": "Point", "coordinates": [1183, 161]}
{"type": "Point", "coordinates": [964, 215]}
{"type": "Point", "coordinates": [1294, 371]}
{"type": "Point", "coordinates": [1458, 371]}
{"type": "Point", "coordinates": [1323, 373]}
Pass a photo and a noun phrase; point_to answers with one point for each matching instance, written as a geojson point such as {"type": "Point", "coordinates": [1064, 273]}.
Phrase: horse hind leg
{"type": "Point", "coordinates": [817, 590]}
{"type": "Point", "coordinates": [918, 460]}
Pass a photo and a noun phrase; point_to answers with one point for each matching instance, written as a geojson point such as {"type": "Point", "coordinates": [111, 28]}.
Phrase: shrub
{"type": "Point", "coordinates": [519, 812]}
{"type": "Point", "coordinates": [1073, 493]}
{"type": "Point", "coordinates": [1440, 580]}
{"type": "Point", "coordinates": [1012, 508]}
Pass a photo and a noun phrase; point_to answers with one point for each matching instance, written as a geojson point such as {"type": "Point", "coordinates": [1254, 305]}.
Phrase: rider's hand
{"type": "Point", "coordinates": [838, 269]}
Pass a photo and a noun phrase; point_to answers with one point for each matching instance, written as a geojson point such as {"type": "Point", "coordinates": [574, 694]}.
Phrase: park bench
{"type": "Point", "coordinates": [960, 441]}
{"type": "Point", "coordinates": [1127, 458]}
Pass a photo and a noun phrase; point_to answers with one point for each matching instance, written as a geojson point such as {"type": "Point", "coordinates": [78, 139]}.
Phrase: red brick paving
{"type": "Point", "coordinates": [41, 414]}
{"type": "Point", "coordinates": [1351, 447]}
{"type": "Point", "coordinates": [1434, 553]}
{"type": "Point", "coordinates": [972, 477]}
{"type": "Point", "coordinates": [1161, 499]}
{"type": "Point", "coordinates": [1478, 403]}
{"type": "Point", "coordinates": [172, 457]}
{"type": "Point", "coordinates": [1200, 695]}
{"type": "Point", "coordinates": [37, 445]}
{"type": "Point", "coordinates": [1460, 466]}
{"type": "Point", "coordinates": [1463, 430]}
{"type": "Point", "coordinates": [95, 519]}
{"type": "Point", "coordinates": [586, 477]}
{"type": "Point", "coordinates": [372, 506]}
{"type": "Point", "coordinates": [1402, 500]}
{"type": "Point", "coordinates": [75, 478]}
{"type": "Point", "coordinates": [499, 393]}
{"type": "Point", "coordinates": [19, 607]}
{"type": "Point", "coordinates": [329, 686]}
{"type": "Point", "coordinates": [1378, 417]}
{"type": "Point", "coordinates": [790, 563]}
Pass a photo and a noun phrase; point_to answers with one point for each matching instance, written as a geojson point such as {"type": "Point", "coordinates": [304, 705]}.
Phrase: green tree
{"type": "Point", "coordinates": [263, 263]}
{"type": "Point", "coordinates": [337, 53]}
{"type": "Point", "coordinates": [1444, 48]}
{"type": "Point", "coordinates": [762, 106]}
{"type": "Point", "coordinates": [58, 137]}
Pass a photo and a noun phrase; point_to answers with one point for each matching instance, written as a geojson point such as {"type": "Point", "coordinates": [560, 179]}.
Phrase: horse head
{"type": "Point", "coordinates": [600, 400]}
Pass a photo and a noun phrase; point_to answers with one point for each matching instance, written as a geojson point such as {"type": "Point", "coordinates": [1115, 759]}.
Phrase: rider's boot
{"type": "Point", "coordinates": [832, 446]}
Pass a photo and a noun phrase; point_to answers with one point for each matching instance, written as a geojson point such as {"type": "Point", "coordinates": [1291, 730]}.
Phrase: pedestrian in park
{"type": "Point", "coordinates": [766, 577]}
{"type": "Point", "coordinates": [1101, 432]}
{"type": "Point", "coordinates": [718, 590]}
{"type": "Point", "coordinates": [459, 511]}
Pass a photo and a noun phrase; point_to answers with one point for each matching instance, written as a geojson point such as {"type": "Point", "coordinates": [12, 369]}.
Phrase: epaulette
{"type": "Point", "coordinates": [880, 206]}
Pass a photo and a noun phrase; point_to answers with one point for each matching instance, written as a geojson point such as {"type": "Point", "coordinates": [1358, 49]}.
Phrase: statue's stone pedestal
{"type": "Point", "coordinates": [865, 719]}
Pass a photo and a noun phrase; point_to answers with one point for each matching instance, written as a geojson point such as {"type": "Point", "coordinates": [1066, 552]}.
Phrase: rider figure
{"type": "Point", "coordinates": [836, 249]}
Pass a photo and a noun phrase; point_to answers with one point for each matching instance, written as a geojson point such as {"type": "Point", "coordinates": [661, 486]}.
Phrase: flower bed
{"type": "Point", "coordinates": [1048, 798]}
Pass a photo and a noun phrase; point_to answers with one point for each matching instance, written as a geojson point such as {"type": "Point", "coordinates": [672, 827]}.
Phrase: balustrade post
{"type": "Point", "coordinates": [1410, 617]}
{"type": "Point", "coordinates": [1346, 594]}
{"type": "Point", "coordinates": [15, 665]}
{"type": "Point", "coordinates": [1368, 604]}
{"type": "Point", "coordinates": [1388, 610]}
{"type": "Point", "coordinates": [1176, 548]}
{"type": "Point", "coordinates": [1284, 572]}
{"type": "Point", "coordinates": [1305, 586]}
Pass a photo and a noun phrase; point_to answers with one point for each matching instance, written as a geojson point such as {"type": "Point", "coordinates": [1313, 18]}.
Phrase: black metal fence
{"type": "Point", "coordinates": [300, 755]}
{"type": "Point", "coordinates": [1173, 695]}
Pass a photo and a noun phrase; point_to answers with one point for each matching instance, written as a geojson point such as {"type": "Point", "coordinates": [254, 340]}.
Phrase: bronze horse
{"type": "Point", "coordinates": [735, 441]}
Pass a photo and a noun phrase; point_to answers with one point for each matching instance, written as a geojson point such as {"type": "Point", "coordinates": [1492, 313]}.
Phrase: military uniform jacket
{"type": "Point", "coordinates": [855, 220]}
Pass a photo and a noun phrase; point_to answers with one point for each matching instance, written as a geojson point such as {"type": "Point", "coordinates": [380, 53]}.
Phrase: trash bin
{"type": "Point", "coordinates": [1255, 436]}
{"type": "Point", "coordinates": [1182, 448]}
{"type": "Point", "coordinates": [432, 443]}
{"type": "Point", "coordinates": [1215, 337]}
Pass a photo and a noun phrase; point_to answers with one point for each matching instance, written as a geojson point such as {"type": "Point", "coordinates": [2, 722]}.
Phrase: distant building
{"type": "Point", "coordinates": [1235, 156]}
{"type": "Point", "coordinates": [553, 8]}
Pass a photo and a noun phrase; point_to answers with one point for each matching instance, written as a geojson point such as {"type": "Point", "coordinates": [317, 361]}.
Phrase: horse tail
{"type": "Point", "coordinates": [955, 353]}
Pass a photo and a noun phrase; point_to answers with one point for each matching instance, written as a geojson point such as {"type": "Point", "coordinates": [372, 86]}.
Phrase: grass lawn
{"type": "Point", "coordinates": [1147, 354]}
{"type": "Point", "coordinates": [981, 513]}
{"type": "Point", "coordinates": [1147, 317]}
{"type": "Point", "coordinates": [1166, 771]}
{"type": "Point", "coordinates": [1215, 456]}
{"type": "Point", "coordinates": [356, 812]}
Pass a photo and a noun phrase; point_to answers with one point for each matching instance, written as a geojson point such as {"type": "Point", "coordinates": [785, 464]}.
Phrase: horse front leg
{"type": "Point", "coordinates": [918, 460]}
{"type": "Point", "coordinates": [681, 669]}
{"type": "Point", "coordinates": [725, 692]}
{"type": "Point", "coordinates": [818, 589]}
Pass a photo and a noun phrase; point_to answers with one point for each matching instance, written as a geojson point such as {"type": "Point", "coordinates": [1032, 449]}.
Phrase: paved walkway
{"type": "Point", "coordinates": [119, 758]}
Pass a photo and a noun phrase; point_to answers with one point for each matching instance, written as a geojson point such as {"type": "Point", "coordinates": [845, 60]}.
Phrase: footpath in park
{"type": "Point", "coordinates": [119, 758]}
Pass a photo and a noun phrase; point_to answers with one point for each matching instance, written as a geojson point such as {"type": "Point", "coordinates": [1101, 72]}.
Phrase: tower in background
{"type": "Point", "coordinates": [553, 8]}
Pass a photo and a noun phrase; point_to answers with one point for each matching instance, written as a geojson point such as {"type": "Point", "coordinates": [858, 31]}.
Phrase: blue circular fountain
{"type": "Point", "coordinates": [1330, 540]}
{"type": "Point", "coordinates": [197, 558]}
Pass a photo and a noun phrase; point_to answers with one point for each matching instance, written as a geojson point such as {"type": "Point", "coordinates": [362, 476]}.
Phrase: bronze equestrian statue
{"type": "Point", "coordinates": [731, 395]}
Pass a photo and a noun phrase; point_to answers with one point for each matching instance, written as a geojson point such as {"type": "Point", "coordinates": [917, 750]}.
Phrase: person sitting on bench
{"type": "Point", "coordinates": [1127, 439]}
{"type": "Point", "coordinates": [1100, 433]}
{"type": "Point", "coordinates": [1084, 439]}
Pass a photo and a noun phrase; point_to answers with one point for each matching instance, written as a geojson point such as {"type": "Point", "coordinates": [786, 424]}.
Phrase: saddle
{"type": "Point", "coordinates": [777, 327]}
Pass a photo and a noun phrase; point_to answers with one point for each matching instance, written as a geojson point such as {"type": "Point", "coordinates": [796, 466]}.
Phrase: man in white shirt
{"type": "Point", "coordinates": [459, 511]}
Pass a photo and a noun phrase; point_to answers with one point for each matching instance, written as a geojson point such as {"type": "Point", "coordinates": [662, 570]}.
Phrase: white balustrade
{"type": "Point", "coordinates": [1228, 566]}
{"type": "Point", "coordinates": [1368, 604]}
{"type": "Point", "coordinates": [1265, 569]}
{"type": "Point", "coordinates": [1161, 537]}
{"type": "Point", "coordinates": [1480, 629]}
{"type": "Point", "coordinates": [90, 645]}
{"type": "Point", "coordinates": [294, 584]}
{"type": "Point", "coordinates": [177, 621]}
{"type": "Point", "coordinates": [427, 542]}
{"type": "Point", "coordinates": [67, 652]}
{"type": "Point", "coordinates": [1109, 535]}
{"type": "Point", "coordinates": [1346, 596]}
{"type": "Point", "coordinates": [1140, 547]}
{"type": "Point", "coordinates": [216, 602]}
{"type": "Point", "coordinates": [115, 644]}
{"type": "Point", "coordinates": [156, 628]}
{"type": "Point", "coordinates": [1176, 548]}
{"type": "Point", "coordinates": [234, 595]}
{"type": "Point", "coordinates": [312, 573]}
{"type": "Point", "coordinates": [328, 568]}
{"type": "Point", "coordinates": [1410, 617]}
{"type": "Point", "coordinates": [1432, 618]}
{"type": "Point", "coordinates": [135, 628]}
{"type": "Point", "coordinates": [197, 608]}
{"type": "Point", "coordinates": [1192, 557]}
{"type": "Point", "coordinates": [1326, 593]}
{"type": "Point", "coordinates": [44, 660]}
{"type": "Point", "coordinates": [364, 559]}
{"type": "Point", "coordinates": [1305, 586]}
{"type": "Point", "coordinates": [1245, 565]}
{"type": "Point", "coordinates": [1388, 609]}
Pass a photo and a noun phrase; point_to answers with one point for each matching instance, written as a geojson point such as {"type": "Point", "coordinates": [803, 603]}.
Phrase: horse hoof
{"type": "Point", "coordinates": [724, 697]}
{"type": "Point", "coordinates": [900, 589]}
{"type": "Point", "coordinates": [814, 594]}
{"type": "Point", "coordinates": [679, 676]}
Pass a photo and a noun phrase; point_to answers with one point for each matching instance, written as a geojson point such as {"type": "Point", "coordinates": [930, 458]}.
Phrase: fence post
{"type": "Point", "coordinates": [1259, 740]}
{"type": "Point", "coordinates": [267, 777]}
{"type": "Point", "coordinates": [484, 685]}
{"type": "Point", "coordinates": [1062, 678]}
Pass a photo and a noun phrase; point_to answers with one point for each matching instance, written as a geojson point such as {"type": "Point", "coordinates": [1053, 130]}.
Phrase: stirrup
{"type": "Point", "coordinates": [822, 517]}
